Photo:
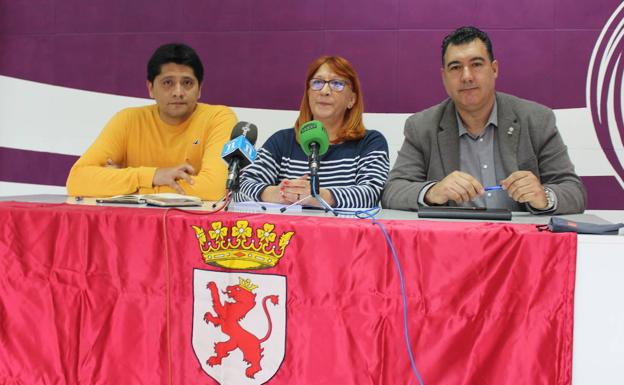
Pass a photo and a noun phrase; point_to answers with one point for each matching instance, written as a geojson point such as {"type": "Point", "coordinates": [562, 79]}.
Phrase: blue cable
{"type": "Point", "coordinates": [406, 330]}
{"type": "Point", "coordinates": [370, 214]}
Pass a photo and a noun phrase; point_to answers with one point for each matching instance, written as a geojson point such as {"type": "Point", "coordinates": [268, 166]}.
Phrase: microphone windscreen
{"type": "Point", "coordinates": [239, 148]}
{"type": "Point", "coordinates": [248, 130]}
{"type": "Point", "coordinates": [313, 132]}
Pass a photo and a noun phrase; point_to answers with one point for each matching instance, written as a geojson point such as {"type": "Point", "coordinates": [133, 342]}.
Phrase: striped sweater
{"type": "Point", "coordinates": [354, 172]}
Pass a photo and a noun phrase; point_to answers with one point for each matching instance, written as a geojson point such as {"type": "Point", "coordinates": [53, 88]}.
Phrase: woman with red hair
{"type": "Point", "coordinates": [354, 169]}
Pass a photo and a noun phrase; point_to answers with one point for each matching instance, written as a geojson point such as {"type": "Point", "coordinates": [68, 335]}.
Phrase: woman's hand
{"type": "Point", "coordinates": [294, 190]}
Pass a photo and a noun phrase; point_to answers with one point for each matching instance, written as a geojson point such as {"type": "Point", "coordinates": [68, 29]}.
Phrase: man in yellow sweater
{"type": "Point", "coordinates": [171, 146]}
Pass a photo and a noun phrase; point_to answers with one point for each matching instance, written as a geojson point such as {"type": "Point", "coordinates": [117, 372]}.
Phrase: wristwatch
{"type": "Point", "coordinates": [550, 198]}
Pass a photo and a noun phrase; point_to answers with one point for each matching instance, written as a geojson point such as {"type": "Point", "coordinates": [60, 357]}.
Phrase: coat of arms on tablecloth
{"type": "Point", "coordinates": [239, 325]}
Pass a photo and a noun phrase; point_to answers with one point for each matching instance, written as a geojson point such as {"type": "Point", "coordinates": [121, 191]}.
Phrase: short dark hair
{"type": "Point", "coordinates": [174, 53]}
{"type": "Point", "coordinates": [465, 35]}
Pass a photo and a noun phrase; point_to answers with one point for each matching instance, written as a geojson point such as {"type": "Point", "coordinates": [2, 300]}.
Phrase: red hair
{"type": "Point", "coordinates": [352, 125]}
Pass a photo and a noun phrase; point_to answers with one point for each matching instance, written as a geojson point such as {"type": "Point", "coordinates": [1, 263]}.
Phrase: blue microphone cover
{"type": "Point", "coordinates": [241, 145]}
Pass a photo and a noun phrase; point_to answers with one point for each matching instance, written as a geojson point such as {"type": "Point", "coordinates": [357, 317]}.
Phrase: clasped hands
{"type": "Point", "coordinates": [168, 176]}
{"type": "Point", "coordinates": [458, 186]}
{"type": "Point", "coordinates": [290, 191]}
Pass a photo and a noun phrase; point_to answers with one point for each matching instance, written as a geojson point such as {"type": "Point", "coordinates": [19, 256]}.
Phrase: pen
{"type": "Point", "coordinates": [493, 188]}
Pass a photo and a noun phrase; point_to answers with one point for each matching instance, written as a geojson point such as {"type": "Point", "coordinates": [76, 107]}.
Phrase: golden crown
{"type": "Point", "coordinates": [241, 246]}
{"type": "Point", "coordinates": [246, 284]}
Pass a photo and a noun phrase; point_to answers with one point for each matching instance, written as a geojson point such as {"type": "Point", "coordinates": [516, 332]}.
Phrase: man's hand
{"type": "Point", "coordinates": [523, 187]}
{"type": "Point", "coordinates": [111, 164]}
{"type": "Point", "coordinates": [457, 186]}
{"type": "Point", "coordinates": [170, 176]}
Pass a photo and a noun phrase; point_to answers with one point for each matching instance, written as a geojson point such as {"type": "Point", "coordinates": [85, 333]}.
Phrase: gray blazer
{"type": "Point", "coordinates": [430, 151]}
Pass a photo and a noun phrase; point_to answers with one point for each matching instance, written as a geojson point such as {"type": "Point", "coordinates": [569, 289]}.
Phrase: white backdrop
{"type": "Point", "coordinates": [42, 117]}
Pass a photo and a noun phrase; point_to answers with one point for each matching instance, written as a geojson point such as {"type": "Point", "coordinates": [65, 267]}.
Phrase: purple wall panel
{"type": "Point", "coordinates": [515, 14]}
{"type": "Point", "coordinates": [43, 167]}
{"type": "Point", "coordinates": [573, 51]}
{"type": "Point", "coordinates": [32, 16]}
{"type": "Point", "coordinates": [379, 80]}
{"type": "Point", "coordinates": [79, 16]}
{"type": "Point", "coordinates": [228, 59]}
{"type": "Point", "coordinates": [28, 56]}
{"type": "Point", "coordinates": [580, 14]}
{"type": "Point", "coordinates": [76, 66]}
{"type": "Point", "coordinates": [74, 16]}
{"type": "Point", "coordinates": [148, 16]}
{"type": "Point", "coordinates": [230, 15]}
{"type": "Point", "coordinates": [365, 14]}
{"type": "Point", "coordinates": [102, 45]}
{"type": "Point", "coordinates": [278, 67]}
{"type": "Point", "coordinates": [436, 14]}
{"type": "Point", "coordinates": [526, 64]}
{"type": "Point", "coordinates": [419, 62]}
{"type": "Point", "coordinates": [275, 15]}
{"type": "Point", "coordinates": [603, 193]}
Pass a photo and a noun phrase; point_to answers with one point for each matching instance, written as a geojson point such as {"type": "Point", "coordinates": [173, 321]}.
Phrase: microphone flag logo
{"type": "Point", "coordinates": [240, 143]}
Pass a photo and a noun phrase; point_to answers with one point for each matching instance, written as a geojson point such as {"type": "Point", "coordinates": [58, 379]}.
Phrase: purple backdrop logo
{"type": "Point", "coordinates": [604, 90]}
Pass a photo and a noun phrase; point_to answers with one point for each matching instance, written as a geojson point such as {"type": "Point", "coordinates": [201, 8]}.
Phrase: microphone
{"type": "Point", "coordinates": [239, 152]}
{"type": "Point", "coordinates": [314, 143]}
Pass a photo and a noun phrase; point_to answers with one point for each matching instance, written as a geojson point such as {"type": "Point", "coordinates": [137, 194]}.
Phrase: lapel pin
{"type": "Point", "coordinates": [510, 131]}
{"type": "Point", "coordinates": [196, 141]}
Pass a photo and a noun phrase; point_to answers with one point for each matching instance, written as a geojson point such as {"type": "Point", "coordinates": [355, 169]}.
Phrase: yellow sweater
{"type": "Point", "coordinates": [139, 141]}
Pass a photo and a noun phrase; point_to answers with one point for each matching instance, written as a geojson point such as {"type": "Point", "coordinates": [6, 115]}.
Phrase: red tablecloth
{"type": "Point", "coordinates": [112, 295]}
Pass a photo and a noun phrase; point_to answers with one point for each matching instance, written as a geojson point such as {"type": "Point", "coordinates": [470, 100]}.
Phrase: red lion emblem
{"type": "Point", "coordinates": [228, 316]}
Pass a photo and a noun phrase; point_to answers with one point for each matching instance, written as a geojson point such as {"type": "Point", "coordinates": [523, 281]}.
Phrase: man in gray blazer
{"type": "Point", "coordinates": [481, 147]}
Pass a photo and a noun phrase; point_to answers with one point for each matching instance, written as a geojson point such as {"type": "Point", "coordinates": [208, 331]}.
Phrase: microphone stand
{"type": "Point", "coordinates": [214, 205]}
{"type": "Point", "coordinates": [240, 205]}
{"type": "Point", "coordinates": [232, 183]}
{"type": "Point", "coordinates": [315, 184]}
{"type": "Point", "coordinates": [315, 193]}
{"type": "Point", "coordinates": [230, 192]}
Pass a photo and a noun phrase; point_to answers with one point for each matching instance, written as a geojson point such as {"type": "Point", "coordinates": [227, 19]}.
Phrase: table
{"type": "Point", "coordinates": [597, 329]}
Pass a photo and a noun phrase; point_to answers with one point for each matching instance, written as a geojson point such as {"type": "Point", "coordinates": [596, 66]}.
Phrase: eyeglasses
{"type": "Point", "coordinates": [335, 84]}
